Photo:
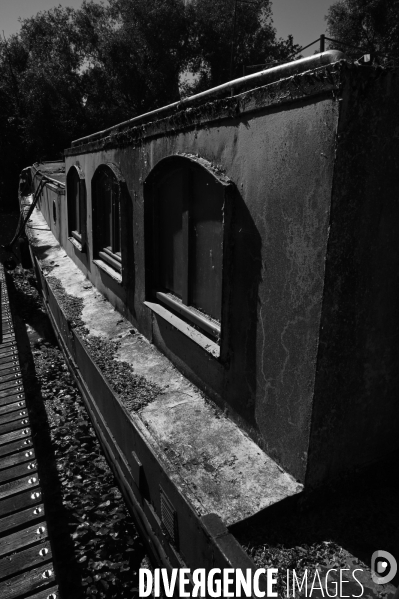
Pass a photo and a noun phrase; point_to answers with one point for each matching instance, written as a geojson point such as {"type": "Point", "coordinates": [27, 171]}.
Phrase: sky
{"type": "Point", "coordinates": [304, 19]}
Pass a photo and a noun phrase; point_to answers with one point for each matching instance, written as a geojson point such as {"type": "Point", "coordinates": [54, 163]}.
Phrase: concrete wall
{"type": "Point", "coordinates": [52, 196]}
{"type": "Point", "coordinates": [309, 362]}
{"type": "Point", "coordinates": [309, 359]}
{"type": "Point", "coordinates": [280, 159]}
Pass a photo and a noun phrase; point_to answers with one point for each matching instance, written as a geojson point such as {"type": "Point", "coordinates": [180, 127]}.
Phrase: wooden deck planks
{"type": "Point", "coordinates": [8, 347]}
{"type": "Point", "coordinates": [20, 501]}
{"type": "Point", "coordinates": [4, 385]}
{"type": "Point", "coordinates": [23, 560]}
{"type": "Point", "coordinates": [7, 328]}
{"type": "Point", "coordinates": [13, 426]}
{"type": "Point", "coordinates": [27, 581]}
{"type": "Point", "coordinates": [25, 552]}
{"type": "Point", "coordinates": [33, 513]}
{"type": "Point", "coordinates": [21, 484]}
{"type": "Point", "coordinates": [9, 373]}
{"type": "Point", "coordinates": [7, 363]}
{"type": "Point", "coordinates": [13, 416]}
{"type": "Point", "coordinates": [10, 357]}
{"type": "Point", "coordinates": [10, 377]}
{"type": "Point", "coordinates": [50, 593]}
{"type": "Point", "coordinates": [16, 458]}
{"type": "Point", "coordinates": [11, 387]}
{"type": "Point", "coordinates": [26, 569]}
{"type": "Point", "coordinates": [19, 444]}
{"type": "Point", "coordinates": [23, 538]}
{"type": "Point", "coordinates": [12, 407]}
{"type": "Point", "coordinates": [12, 397]}
{"type": "Point", "coordinates": [23, 433]}
{"type": "Point", "coordinates": [18, 471]}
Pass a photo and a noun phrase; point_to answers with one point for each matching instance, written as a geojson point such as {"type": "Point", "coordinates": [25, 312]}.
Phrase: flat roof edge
{"type": "Point", "coordinates": [256, 79]}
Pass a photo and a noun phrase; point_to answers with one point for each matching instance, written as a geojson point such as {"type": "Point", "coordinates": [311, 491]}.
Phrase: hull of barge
{"type": "Point", "coordinates": [174, 516]}
{"type": "Point", "coordinates": [305, 367]}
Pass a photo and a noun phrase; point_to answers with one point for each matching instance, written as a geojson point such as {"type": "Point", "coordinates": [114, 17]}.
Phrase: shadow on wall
{"type": "Point", "coordinates": [244, 280]}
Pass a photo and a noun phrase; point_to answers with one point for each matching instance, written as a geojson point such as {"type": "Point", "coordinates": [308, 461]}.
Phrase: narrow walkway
{"type": "Point", "coordinates": [26, 568]}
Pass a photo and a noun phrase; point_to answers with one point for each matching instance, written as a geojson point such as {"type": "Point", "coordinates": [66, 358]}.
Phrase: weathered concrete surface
{"type": "Point", "coordinates": [309, 352]}
{"type": "Point", "coordinates": [276, 144]}
{"type": "Point", "coordinates": [223, 470]}
{"type": "Point", "coordinates": [212, 453]}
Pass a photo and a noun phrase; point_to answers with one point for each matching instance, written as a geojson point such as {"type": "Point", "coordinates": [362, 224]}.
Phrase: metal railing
{"type": "Point", "coordinates": [322, 46]}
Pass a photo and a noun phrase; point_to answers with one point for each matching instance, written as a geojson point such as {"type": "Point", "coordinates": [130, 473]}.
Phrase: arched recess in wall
{"type": "Point", "coordinates": [76, 204]}
{"type": "Point", "coordinates": [108, 187]}
{"type": "Point", "coordinates": [188, 206]}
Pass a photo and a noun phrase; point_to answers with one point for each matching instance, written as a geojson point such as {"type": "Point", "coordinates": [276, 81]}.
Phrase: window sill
{"type": "Point", "coordinates": [179, 324]}
{"type": "Point", "coordinates": [76, 244]}
{"type": "Point", "coordinates": [195, 316]}
{"type": "Point", "coordinates": [110, 271]}
{"type": "Point", "coordinates": [112, 260]}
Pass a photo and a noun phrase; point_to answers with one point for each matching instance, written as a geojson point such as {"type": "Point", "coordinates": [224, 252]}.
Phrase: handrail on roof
{"type": "Point", "coordinates": [261, 78]}
{"type": "Point", "coordinates": [50, 179]}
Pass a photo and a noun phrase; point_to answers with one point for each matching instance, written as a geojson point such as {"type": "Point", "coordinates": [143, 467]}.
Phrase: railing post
{"type": "Point", "coordinates": [233, 40]}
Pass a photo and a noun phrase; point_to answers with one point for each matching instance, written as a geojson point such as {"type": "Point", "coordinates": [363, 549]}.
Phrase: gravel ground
{"type": "Point", "coordinates": [97, 551]}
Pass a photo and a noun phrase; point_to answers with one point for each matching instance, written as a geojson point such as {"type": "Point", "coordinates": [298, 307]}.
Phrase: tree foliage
{"type": "Point", "coordinates": [68, 73]}
{"type": "Point", "coordinates": [40, 93]}
{"type": "Point", "coordinates": [370, 25]}
{"type": "Point", "coordinates": [213, 29]}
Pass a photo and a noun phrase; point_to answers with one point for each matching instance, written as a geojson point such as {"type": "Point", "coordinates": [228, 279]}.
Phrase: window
{"type": "Point", "coordinates": [107, 194]}
{"type": "Point", "coordinates": [188, 240]}
{"type": "Point", "coordinates": [76, 201]}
